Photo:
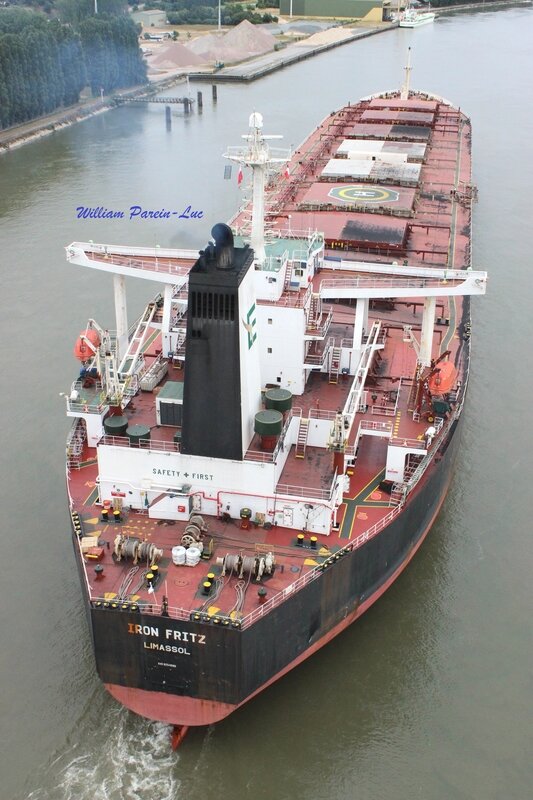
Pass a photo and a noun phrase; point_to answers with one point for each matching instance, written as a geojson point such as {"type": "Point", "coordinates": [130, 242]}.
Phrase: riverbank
{"type": "Point", "coordinates": [246, 71]}
{"type": "Point", "coordinates": [315, 45]}
{"type": "Point", "coordinates": [16, 136]}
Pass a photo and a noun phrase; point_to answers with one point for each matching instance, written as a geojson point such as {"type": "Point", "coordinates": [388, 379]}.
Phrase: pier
{"type": "Point", "coordinates": [272, 62]}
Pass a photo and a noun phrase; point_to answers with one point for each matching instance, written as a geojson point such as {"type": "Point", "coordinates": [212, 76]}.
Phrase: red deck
{"type": "Point", "coordinates": [436, 236]}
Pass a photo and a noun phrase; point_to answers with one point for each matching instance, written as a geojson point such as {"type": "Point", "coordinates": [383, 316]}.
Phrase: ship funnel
{"type": "Point", "coordinates": [223, 236]}
{"type": "Point", "coordinates": [222, 386]}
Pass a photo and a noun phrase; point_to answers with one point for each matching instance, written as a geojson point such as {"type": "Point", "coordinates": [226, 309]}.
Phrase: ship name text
{"type": "Point", "coordinates": [136, 212]}
{"type": "Point", "coordinates": [169, 635]}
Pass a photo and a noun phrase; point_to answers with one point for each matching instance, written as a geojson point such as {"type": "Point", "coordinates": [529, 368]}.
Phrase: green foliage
{"type": "Point", "coordinates": [112, 54]}
{"type": "Point", "coordinates": [74, 12]}
{"type": "Point", "coordinates": [205, 12]}
{"type": "Point", "coordinates": [45, 64]}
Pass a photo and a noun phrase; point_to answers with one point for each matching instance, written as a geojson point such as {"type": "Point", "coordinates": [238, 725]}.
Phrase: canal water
{"type": "Point", "coordinates": [429, 695]}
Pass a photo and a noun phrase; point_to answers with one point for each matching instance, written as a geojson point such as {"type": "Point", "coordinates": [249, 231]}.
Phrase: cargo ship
{"type": "Point", "coordinates": [256, 459]}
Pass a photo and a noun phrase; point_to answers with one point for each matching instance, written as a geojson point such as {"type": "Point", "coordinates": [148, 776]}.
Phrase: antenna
{"type": "Point", "coordinates": [404, 92]}
{"type": "Point", "coordinates": [258, 155]}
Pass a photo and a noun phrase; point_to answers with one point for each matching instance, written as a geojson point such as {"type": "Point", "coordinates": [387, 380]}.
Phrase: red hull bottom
{"type": "Point", "coordinates": [178, 710]}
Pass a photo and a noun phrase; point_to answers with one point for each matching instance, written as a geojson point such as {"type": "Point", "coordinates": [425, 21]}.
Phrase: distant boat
{"type": "Point", "coordinates": [411, 18]}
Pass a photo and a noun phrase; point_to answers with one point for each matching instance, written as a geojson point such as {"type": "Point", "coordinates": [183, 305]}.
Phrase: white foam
{"type": "Point", "coordinates": [118, 756]}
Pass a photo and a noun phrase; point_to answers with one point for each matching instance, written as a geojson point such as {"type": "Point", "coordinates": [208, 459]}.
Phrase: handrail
{"type": "Point", "coordinates": [403, 441]}
{"type": "Point", "coordinates": [304, 491]}
{"type": "Point", "coordinates": [371, 425]}
{"type": "Point", "coordinates": [144, 444]}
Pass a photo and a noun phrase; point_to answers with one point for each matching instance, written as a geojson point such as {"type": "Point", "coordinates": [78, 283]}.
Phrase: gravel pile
{"type": "Point", "coordinates": [239, 43]}
{"type": "Point", "coordinates": [176, 55]}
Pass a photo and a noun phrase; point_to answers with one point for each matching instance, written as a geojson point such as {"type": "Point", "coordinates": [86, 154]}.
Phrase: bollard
{"type": "Point", "coordinates": [168, 117]}
{"type": "Point", "coordinates": [214, 90]}
{"type": "Point", "coordinates": [200, 100]}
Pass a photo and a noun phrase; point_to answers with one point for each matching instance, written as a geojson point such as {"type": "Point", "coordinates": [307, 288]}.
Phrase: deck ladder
{"type": "Point", "coordinates": [75, 442]}
{"type": "Point", "coordinates": [335, 364]}
{"type": "Point", "coordinates": [288, 276]}
{"type": "Point", "coordinates": [413, 394]}
{"type": "Point", "coordinates": [397, 494]}
{"type": "Point", "coordinates": [301, 441]}
{"type": "Point", "coordinates": [315, 311]}
{"type": "Point", "coordinates": [128, 363]}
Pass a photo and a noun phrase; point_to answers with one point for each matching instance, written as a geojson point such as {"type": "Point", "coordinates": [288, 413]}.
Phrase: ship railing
{"type": "Point", "coordinates": [383, 411]}
{"type": "Point", "coordinates": [87, 408]}
{"type": "Point", "coordinates": [315, 573]}
{"type": "Point", "coordinates": [321, 413]}
{"type": "Point", "coordinates": [275, 263]}
{"type": "Point", "coordinates": [266, 457]}
{"type": "Point", "coordinates": [319, 359]}
{"type": "Point", "coordinates": [276, 600]}
{"type": "Point", "coordinates": [412, 444]}
{"type": "Point", "coordinates": [395, 282]}
{"type": "Point", "coordinates": [371, 425]}
{"type": "Point", "coordinates": [319, 330]}
{"type": "Point", "coordinates": [75, 442]}
{"type": "Point", "coordinates": [297, 233]}
{"type": "Point", "coordinates": [175, 612]}
{"type": "Point", "coordinates": [305, 491]}
{"type": "Point", "coordinates": [290, 299]}
{"type": "Point", "coordinates": [152, 259]}
{"type": "Point", "coordinates": [300, 256]}
{"type": "Point", "coordinates": [430, 455]}
{"type": "Point", "coordinates": [143, 444]}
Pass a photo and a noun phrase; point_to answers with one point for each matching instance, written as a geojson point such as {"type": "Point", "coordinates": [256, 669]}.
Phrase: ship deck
{"type": "Point", "coordinates": [378, 220]}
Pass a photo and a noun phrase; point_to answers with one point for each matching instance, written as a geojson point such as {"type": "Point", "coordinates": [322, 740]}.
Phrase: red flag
{"type": "Point", "coordinates": [239, 176]}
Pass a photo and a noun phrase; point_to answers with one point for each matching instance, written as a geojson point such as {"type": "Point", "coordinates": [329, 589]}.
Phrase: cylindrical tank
{"type": "Point", "coordinates": [278, 399]}
{"type": "Point", "coordinates": [268, 425]}
{"type": "Point", "coordinates": [116, 425]}
{"type": "Point", "coordinates": [136, 433]}
{"type": "Point", "coordinates": [178, 555]}
{"type": "Point", "coordinates": [82, 351]}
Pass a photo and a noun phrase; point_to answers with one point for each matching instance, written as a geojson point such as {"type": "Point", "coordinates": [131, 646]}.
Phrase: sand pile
{"type": "Point", "coordinates": [326, 37]}
{"type": "Point", "coordinates": [249, 37]}
{"type": "Point", "coordinates": [238, 44]}
{"type": "Point", "coordinates": [176, 55]}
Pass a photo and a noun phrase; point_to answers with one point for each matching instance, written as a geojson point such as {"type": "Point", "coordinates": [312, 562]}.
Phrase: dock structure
{"type": "Point", "coordinates": [186, 101]}
{"type": "Point", "coordinates": [272, 62]}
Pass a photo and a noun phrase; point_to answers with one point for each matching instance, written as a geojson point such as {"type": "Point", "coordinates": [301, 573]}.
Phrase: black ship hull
{"type": "Point", "coordinates": [196, 673]}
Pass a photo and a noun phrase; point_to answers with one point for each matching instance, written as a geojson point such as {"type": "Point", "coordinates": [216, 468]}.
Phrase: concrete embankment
{"type": "Point", "coordinates": [18, 135]}
{"type": "Point", "coordinates": [293, 54]}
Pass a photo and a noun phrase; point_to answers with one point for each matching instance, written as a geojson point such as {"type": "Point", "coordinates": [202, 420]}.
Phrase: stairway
{"type": "Point", "coordinates": [288, 276]}
{"type": "Point", "coordinates": [335, 364]}
{"type": "Point", "coordinates": [127, 365]}
{"type": "Point", "coordinates": [413, 395]}
{"type": "Point", "coordinates": [75, 442]}
{"type": "Point", "coordinates": [301, 441]}
{"type": "Point", "coordinates": [315, 311]}
{"type": "Point", "coordinates": [397, 494]}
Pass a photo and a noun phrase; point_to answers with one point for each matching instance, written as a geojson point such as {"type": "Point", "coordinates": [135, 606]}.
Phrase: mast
{"type": "Point", "coordinates": [258, 155]}
{"type": "Point", "coordinates": [404, 92]}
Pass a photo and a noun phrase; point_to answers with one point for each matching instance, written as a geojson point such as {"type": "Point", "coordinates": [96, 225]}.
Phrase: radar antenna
{"type": "Point", "coordinates": [258, 155]}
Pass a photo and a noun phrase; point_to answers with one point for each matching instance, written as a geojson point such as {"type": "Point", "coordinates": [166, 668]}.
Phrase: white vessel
{"type": "Point", "coordinates": [411, 18]}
